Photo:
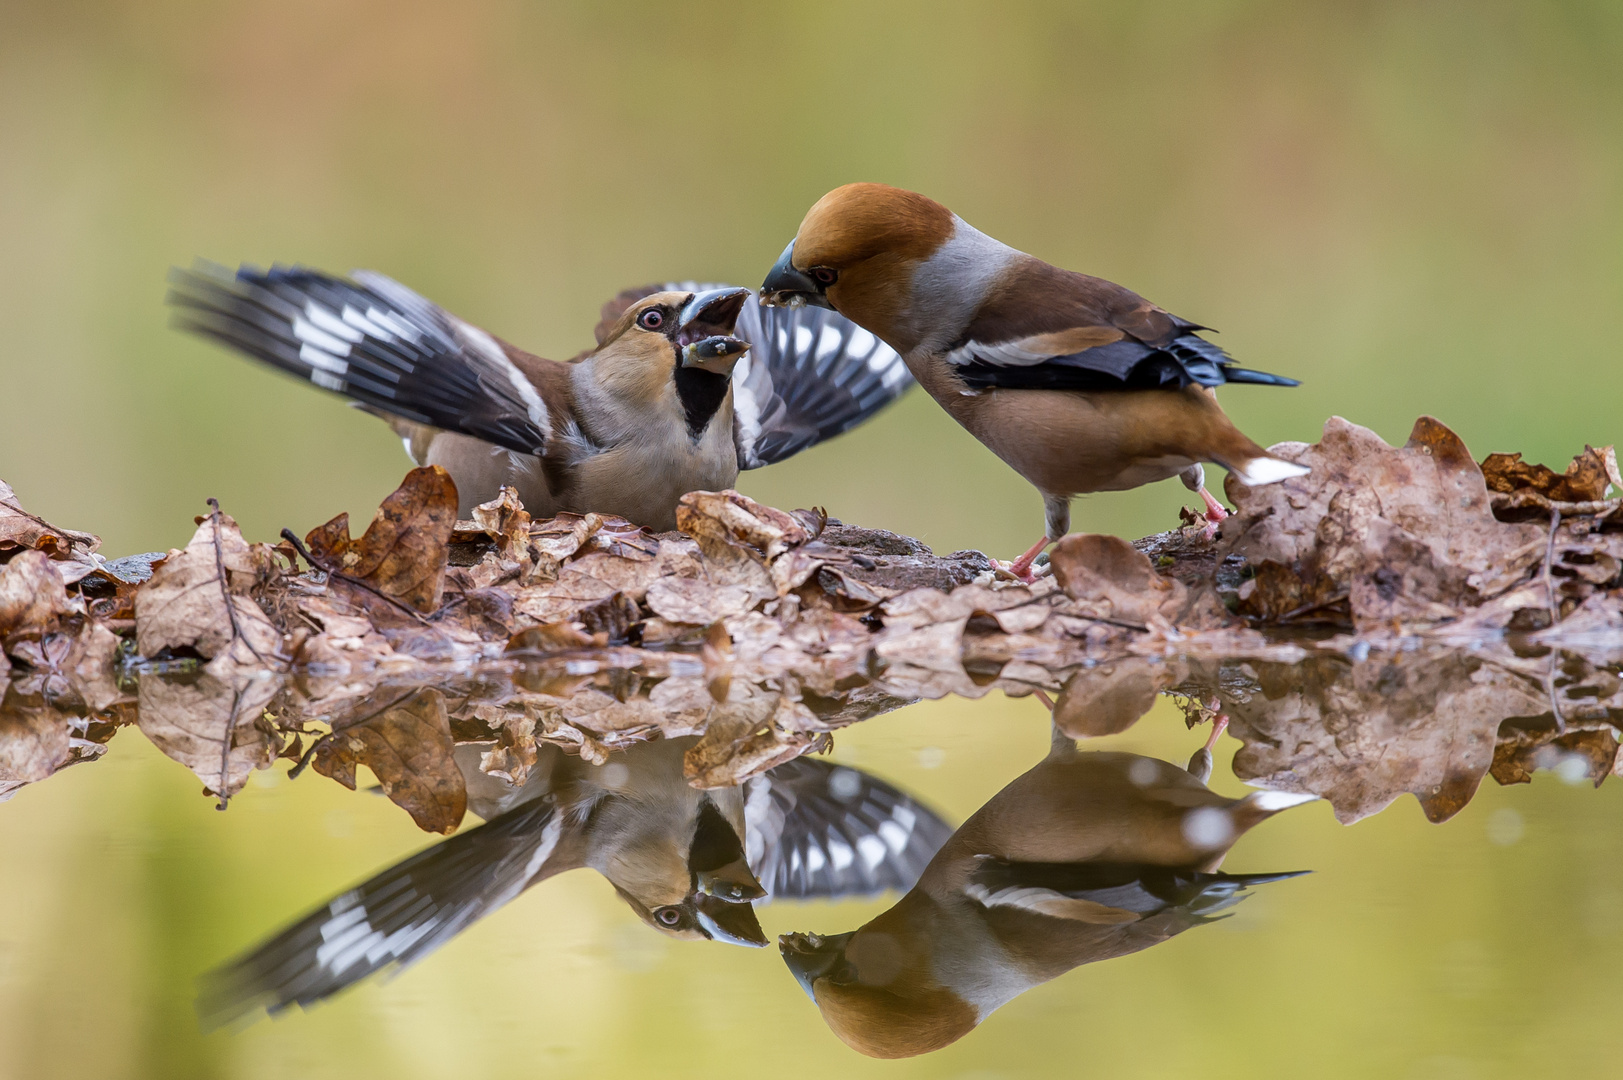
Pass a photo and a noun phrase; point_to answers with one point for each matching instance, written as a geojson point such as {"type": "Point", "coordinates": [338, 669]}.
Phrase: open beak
{"type": "Point", "coordinates": [735, 924]}
{"type": "Point", "coordinates": [787, 287]}
{"type": "Point", "coordinates": [811, 956]}
{"type": "Point", "coordinates": [704, 336]}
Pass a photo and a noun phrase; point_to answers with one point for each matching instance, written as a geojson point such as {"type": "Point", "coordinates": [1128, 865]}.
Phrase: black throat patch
{"type": "Point", "coordinates": [701, 393]}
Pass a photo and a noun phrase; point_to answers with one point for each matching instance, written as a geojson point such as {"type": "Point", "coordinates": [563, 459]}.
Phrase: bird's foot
{"type": "Point", "coordinates": [1021, 567]}
{"type": "Point", "coordinates": [1215, 514]}
{"type": "Point", "coordinates": [1220, 724]}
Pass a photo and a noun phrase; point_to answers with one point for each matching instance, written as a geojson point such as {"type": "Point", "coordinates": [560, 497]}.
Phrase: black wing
{"type": "Point", "coordinates": [392, 920]}
{"type": "Point", "coordinates": [1120, 365]}
{"type": "Point", "coordinates": [1144, 890]}
{"type": "Point", "coordinates": [371, 340]}
{"type": "Point", "coordinates": [817, 829]}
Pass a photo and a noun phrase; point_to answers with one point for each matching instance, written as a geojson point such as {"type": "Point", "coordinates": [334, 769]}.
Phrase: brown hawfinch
{"type": "Point", "coordinates": [1078, 384]}
{"type": "Point", "coordinates": [1086, 857]}
{"type": "Point", "coordinates": [668, 402]}
{"type": "Point", "coordinates": [690, 863]}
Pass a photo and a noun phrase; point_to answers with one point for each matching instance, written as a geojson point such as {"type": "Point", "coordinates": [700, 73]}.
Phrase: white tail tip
{"type": "Point", "coordinates": [1274, 801]}
{"type": "Point", "coordinates": [1268, 470]}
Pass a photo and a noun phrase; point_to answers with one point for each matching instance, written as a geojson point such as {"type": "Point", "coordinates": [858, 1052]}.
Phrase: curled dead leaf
{"type": "Point", "coordinates": [405, 740]}
{"type": "Point", "coordinates": [405, 550]}
{"type": "Point", "coordinates": [1585, 480]}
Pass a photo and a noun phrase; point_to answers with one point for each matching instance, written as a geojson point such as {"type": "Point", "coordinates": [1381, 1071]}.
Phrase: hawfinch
{"type": "Point", "coordinates": [674, 854]}
{"type": "Point", "coordinates": [1086, 857]}
{"type": "Point", "coordinates": [1078, 384]}
{"type": "Point", "coordinates": [668, 402]}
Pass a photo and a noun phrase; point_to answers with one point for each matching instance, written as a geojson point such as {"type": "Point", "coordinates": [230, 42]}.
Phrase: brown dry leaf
{"type": "Point", "coordinates": [20, 529]}
{"type": "Point", "coordinates": [184, 603]}
{"type": "Point", "coordinates": [1406, 533]}
{"type": "Point", "coordinates": [405, 550]}
{"type": "Point", "coordinates": [756, 730]}
{"type": "Point", "coordinates": [560, 537]}
{"type": "Point", "coordinates": [32, 596]}
{"type": "Point", "coordinates": [560, 600]}
{"type": "Point", "coordinates": [505, 521]}
{"type": "Point", "coordinates": [731, 518]}
{"type": "Point", "coordinates": [1584, 481]}
{"type": "Point", "coordinates": [1113, 580]}
{"type": "Point", "coordinates": [697, 601]}
{"type": "Point", "coordinates": [210, 725]}
{"type": "Point", "coordinates": [407, 744]}
{"type": "Point", "coordinates": [1362, 734]}
{"type": "Point", "coordinates": [89, 666]}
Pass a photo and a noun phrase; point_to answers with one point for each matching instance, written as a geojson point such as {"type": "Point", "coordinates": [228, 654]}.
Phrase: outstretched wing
{"type": "Point", "coordinates": [372, 340]}
{"type": "Point", "coordinates": [817, 829]}
{"type": "Point", "coordinates": [392, 920]}
{"type": "Point", "coordinates": [810, 375]}
{"type": "Point", "coordinates": [1052, 329]}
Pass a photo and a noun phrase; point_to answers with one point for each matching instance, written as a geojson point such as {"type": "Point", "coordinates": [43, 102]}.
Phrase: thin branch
{"type": "Point", "coordinates": [225, 591]}
{"type": "Point", "coordinates": [298, 545]}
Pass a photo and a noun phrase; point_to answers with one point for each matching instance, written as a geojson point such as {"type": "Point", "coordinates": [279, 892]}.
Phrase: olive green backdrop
{"type": "Point", "coordinates": [1414, 207]}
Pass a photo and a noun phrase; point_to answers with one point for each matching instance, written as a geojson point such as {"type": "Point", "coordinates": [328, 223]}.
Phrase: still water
{"type": "Point", "coordinates": [958, 882]}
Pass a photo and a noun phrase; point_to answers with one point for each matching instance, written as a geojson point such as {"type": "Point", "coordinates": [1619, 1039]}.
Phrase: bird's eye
{"type": "Point", "coordinates": [844, 975]}
{"type": "Point", "coordinates": [668, 916]}
{"type": "Point", "coordinates": [652, 319]}
{"type": "Point", "coordinates": [824, 276]}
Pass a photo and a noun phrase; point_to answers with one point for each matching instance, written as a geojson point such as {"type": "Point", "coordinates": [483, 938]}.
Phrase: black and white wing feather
{"type": "Point", "coordinates": [371, 340]}
{"type": "Point", "coordinates": [810, 374]}
{"type": "Point", "coordinates": [817, 829]}
{"type": "Point", "coordinates": [1120, 365]}
{"type": "Point", "coordinates": [392, 920]}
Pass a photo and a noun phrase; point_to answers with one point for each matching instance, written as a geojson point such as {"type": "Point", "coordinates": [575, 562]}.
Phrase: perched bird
{"type": "Point", "coordinates": [668, 402]}
{"type": "Point", "coordinates": [1086, 857]}
{"type": "Point", "coordinates": [1078, 384]}
{"type": "Point", "coordinates": [674, 854]}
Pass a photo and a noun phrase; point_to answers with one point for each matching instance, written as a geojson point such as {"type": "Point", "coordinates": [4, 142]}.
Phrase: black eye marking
{"type": "Point", "coordinates": [669, 916]}
{"type": "Point", "coordinates": [824, 276]}
{"type": "Point", "coordinates": [652, 319]}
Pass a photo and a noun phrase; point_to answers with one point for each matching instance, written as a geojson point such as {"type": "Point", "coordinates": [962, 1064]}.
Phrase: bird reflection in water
{"type": "Point", "coordinates": [690, 863]}
{"type": "Point", "coordinates": [1085, 857]}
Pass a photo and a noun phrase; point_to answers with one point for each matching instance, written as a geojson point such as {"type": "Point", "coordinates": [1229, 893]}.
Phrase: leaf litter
{"type": "Point", "coordinates": [1325, 620]}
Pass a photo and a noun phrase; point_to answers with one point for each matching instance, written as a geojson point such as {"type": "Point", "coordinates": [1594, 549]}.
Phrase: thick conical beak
{"type": "Point", "coordinates": [811, 956]}
{"type": "Point", "coordinates": [705, 333]}
{"type": "Point", "coordinates": [735, 924]}
{"type": "Point", "coordinates": [787, 287]}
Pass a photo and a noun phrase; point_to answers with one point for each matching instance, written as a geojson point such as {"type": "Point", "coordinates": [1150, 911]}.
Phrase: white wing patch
{"type": "Point", "coordinates": [487, 346]}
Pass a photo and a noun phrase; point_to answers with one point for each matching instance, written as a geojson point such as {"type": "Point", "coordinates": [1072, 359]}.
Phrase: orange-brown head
{"type": "Point", "coordinates": [857, 251]}
{"type": "Point", "coordinates": [877, 988]}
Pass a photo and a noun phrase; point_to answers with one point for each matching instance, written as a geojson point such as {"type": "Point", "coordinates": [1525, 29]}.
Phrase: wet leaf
{"type": "Point", "coordinates": [210, 725]}
{"type": "Point", "coordinates": [404, 552]}
{"type": "Point", "coordinates": [406, 742]}
{"type": "Point", "coordinates": [21, 530]}
{"type": "Point", "coordinates": [1113, 580]}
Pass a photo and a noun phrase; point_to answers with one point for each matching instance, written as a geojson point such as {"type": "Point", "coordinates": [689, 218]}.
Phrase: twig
{"type": "Point", "coordinates": [1521, 499]}
{"type": "Point", "coordinates": [225, 591]}
{"type": "Point", "coordinates": [223, 791]}
{"type": "Point", "coordinates": [298, 545]}
{"type": "Point", "coordinates": [1549, 562]}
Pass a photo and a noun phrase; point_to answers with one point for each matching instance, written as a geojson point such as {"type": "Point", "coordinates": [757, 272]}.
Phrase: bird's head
{"type": "Point", "coordinates": [877, 990]}
{"type": "Point", "coordinates": [697, 888]}
{"type": "Point", "coordinates": [670, 334]}
{"type": "Point", "coordinates": [856, 253]}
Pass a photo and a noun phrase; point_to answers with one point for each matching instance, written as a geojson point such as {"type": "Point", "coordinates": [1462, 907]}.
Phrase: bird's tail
{"type": "Point", "coordinates": [392, 920]}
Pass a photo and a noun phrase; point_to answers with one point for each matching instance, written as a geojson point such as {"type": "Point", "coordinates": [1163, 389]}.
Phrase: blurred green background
{"type": "Point", "coordinates": [1414, 207]}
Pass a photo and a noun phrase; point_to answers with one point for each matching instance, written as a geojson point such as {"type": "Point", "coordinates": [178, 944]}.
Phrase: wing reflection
{"type": "Point", "coordinates": [675, 854]}
{"type": "Point", "coordinates": [1085, 857]}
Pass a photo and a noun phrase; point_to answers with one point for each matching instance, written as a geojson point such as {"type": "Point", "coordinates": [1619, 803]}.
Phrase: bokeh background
{"type": "Point", "coordinates": [1415, 207]}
